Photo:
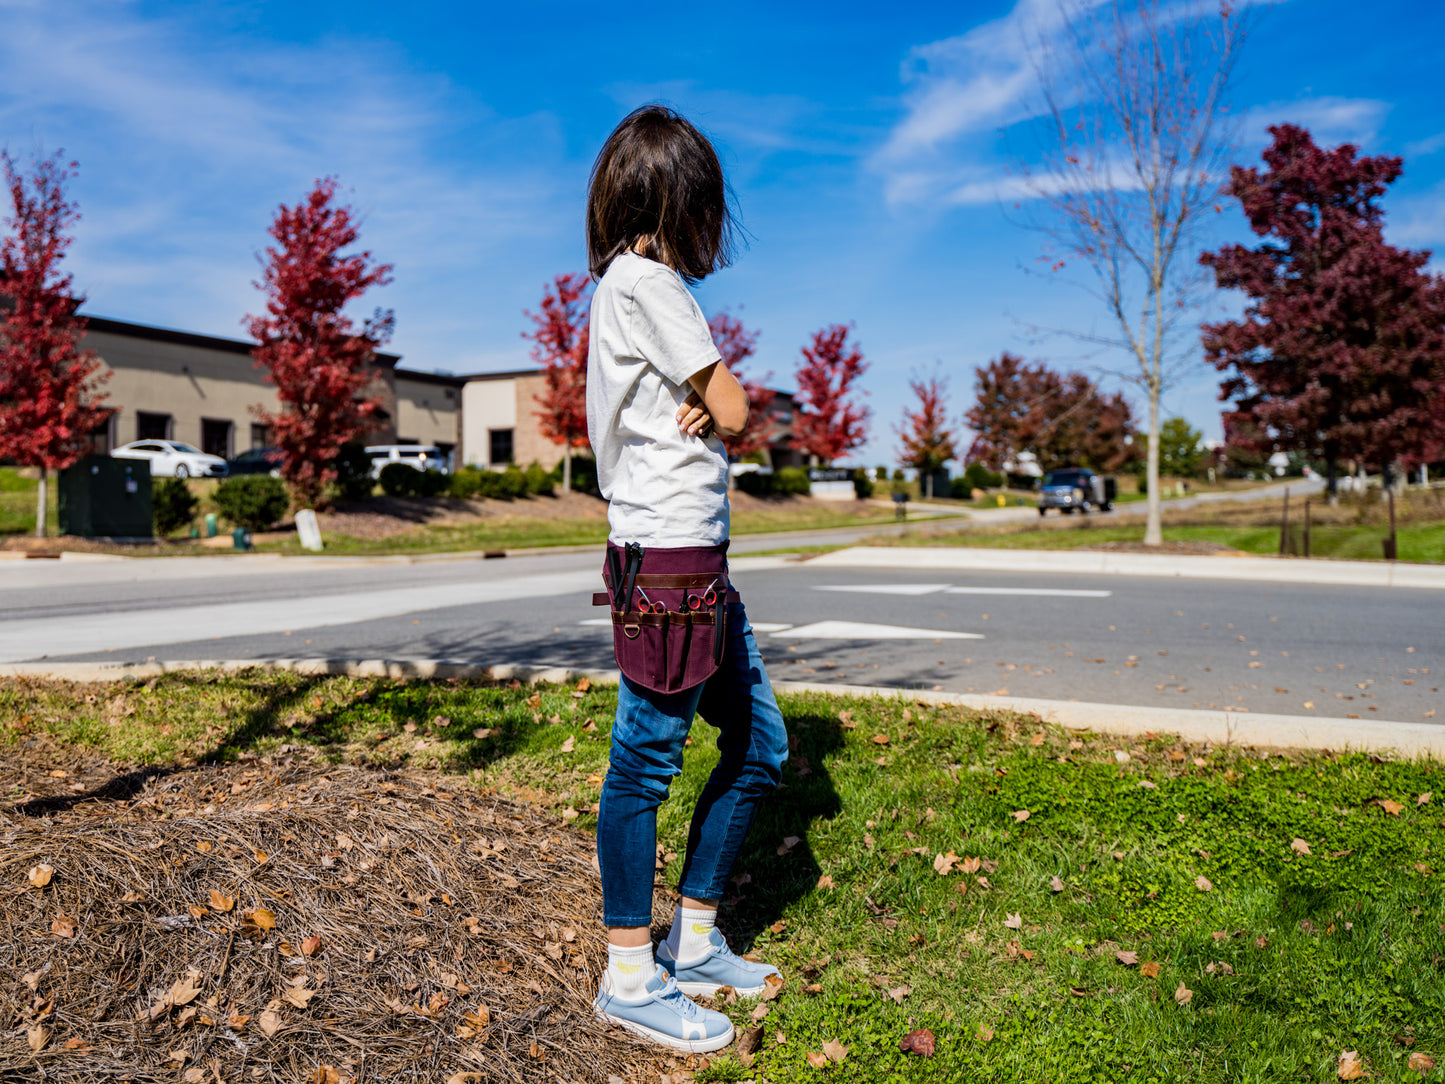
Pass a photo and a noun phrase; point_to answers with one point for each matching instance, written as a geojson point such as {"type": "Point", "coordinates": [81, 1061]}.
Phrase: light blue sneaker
{"type": "Point", "coordinates": [665, 1016]}
{"type": "Point", "coordinates": [718, 967]}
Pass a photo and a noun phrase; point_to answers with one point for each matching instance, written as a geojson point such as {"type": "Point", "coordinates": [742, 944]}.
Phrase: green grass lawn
{"type": "Point", "coordinates": [17, 503]}
{"type": "Point", "coordinates": [524, 532]}
{"type": "Point", "coordinates": [1052, 906]}
{"type": "Point", "coordinates": [1418, 542]}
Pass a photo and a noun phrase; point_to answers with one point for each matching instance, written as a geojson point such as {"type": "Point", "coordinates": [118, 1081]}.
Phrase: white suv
{"type": "Point", "coordinates": [173, 459]}
{"type": "Point", "coordinates": [419, 456]}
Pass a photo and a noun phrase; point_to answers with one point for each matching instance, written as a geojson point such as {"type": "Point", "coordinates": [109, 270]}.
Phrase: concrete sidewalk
{"type": "Point", "coordinates": [1267, 569]}
{"type": "Point", "coordinates": [1219, 728]}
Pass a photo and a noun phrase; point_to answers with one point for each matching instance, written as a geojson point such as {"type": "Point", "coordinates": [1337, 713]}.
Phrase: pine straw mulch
{"type": "Point", "coordinates": [284, 920]}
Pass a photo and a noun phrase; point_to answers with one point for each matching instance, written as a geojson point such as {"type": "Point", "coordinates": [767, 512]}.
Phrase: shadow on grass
{"type": "Point", "coordinates": [807, 795]}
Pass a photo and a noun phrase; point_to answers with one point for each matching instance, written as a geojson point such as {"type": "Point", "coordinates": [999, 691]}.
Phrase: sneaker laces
{"type": "Point", "coordinates": [686, 1007]}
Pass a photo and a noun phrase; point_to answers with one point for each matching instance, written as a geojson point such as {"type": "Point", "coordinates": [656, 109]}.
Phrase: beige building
{"type": "Point", "coordinates": [205, 390]}
{"type": "Point", "coordinates": [499, 420]}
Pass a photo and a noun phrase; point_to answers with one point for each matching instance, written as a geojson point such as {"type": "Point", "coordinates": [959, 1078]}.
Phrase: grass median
{"type": "Point", "coordinates": [1051, 906]}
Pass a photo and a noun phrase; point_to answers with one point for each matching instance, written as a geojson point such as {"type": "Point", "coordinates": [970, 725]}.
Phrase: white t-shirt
{"type": "Point", "coordinates": [647, 336]}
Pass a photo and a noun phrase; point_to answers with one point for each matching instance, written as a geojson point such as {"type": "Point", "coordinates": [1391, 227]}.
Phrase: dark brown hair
{"type": "Point", "coordinates": [658, 180]}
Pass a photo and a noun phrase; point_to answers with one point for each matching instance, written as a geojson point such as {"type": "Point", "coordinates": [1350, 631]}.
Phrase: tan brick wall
{"type": "Point", "coordinates": [428, 413]}
{"type": "Point", "coordinates": [528, 443]}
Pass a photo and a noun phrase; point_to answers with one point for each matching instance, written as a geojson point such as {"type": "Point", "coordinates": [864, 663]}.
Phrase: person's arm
{"type": "Point", "coordinates": [722, 397]}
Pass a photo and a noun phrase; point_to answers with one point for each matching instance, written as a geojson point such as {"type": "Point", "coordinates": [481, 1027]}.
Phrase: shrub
{"type": "Point", "coordinates": [880, 474]}
{"type": "Point", "coordinates": [430, 483]}
{"type": "Point", "coordinates": [465, 483]}
{"type": "Point", "coordinates": [353, 472]}
{"type": "Point", "coordinates": [173, 506]}
{"type": "Point", "coordinates": [1021, 481]}
{"type": "Point", "coordinates": [253, 501]}
{"type": "Point", "coordinates": [862, 485]}
{"type": "Point", "coordinates": [793, 480]}
{"type": "Point", "coordinates": [398, 480]}
{"type": "Point", "coordinates": [977, 476]}
{"type": "Point", "coordinates": [755, 483]}
{"type": "Point", "coordinates": [512, 483]}
{"type": "Point", "coordinates": [540, 483]}
{"type": "Point", "coordinates": [584, 474]}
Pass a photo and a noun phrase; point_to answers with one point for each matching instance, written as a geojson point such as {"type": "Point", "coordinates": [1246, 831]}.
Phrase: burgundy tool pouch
{"type": "Point", "coordinates": [669, 612]}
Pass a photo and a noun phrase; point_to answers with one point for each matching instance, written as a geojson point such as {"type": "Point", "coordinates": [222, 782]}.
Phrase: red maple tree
{"type": "Point", "coordinates": [559, 345]}
{"type": "Point", "coordinates": [736, 343]}
{"type": "Point", "coordinates": [829, 423]}
{"type": "Point", "coordinates": [310, 349]}
{"type": "Point", "coordinates": [1062, 419]}
{"type": "Point", "coordinates": [50, 403]}
{"type": "Point", "coordinates": [927, 442]}
{"type": "Point", "coordinates": [1340, 352]}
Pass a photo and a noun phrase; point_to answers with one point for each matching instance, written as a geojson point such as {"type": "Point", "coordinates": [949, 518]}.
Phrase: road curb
{"type": "Point", "coordinates": [1106, 562]}
{"type": "Point", "coordinates": [1222, 728]}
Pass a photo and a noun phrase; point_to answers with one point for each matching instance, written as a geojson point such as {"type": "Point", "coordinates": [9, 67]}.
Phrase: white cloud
{"type": "Point", "coordinates": [1330, 120]}
{"type": "Point", "coordinates": [1425, 146]}
{"type": "Point", "coordinates": [188, 141]}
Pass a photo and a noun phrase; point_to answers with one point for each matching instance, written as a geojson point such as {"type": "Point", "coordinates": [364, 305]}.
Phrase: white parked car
{"type": "Point", "coordinates": [418, 456]}
{"type": "Point", "coordinates": [173, 459]}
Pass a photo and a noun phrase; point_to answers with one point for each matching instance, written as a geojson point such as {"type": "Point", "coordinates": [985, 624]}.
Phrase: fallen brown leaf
{"type": "Point", "coordinates": [1420, 1062]}
{"type": "Point", "coordinates": [39, 876]}
{"type": "Point", "coordinates": [569, 745]}
{"type": "Point", "coordinates": [1127, 957]}
{"type": "Point", "coordinates": [816, 1059]}
{"type": "Point", "coordinates": [1183, 995]}
{"type": "Point", "coordinates": [772, 987]}
{"type": "Point", "coordinates": [1056, 884]}
{"type": "Point", "coordinates": [1150, 970]}
{"type": "Point", "coordinates": [269, 1022]}
{"type": "Point", "coordinates": [943, 863]}
{"type": "Point", "coordinates": [750, 1040]}
{"type": "Point", "coordinates": [1014, 921]}
{"type": "Point", "coordinates": [835, 1050]}
{"type": "Point", "coordinates": [1351, 1068]}
{"type": "Point", "coordinates": [898, 993]}
{"type": "Point", "coordinates": [1299, 846]}
{"type": "Point", "coordinates": [64, 926]}
{"type": "Point", "coordinates": [310, 946]}
{"type": "Point", "coordinates": [825, 881]}
{"type": "Point", "coordinates": [36, 1037]}
{"type": "Point", "coordinates": [1393, 808]}
{"type": "Point", "coordinates": [1203, 883]}
{"type": "Point", "coordinates": [921, 1042]}
{"type": "Point", "coordinates": [1020, 815]}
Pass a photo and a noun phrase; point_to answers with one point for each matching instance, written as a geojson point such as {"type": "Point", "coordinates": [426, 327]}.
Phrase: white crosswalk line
{"type": "Point", "coordinates": [1053, 592]}
{"type": "Point", "coordinates": [885, 588]}
{"type": "Point", "coordinates": [858, 630]}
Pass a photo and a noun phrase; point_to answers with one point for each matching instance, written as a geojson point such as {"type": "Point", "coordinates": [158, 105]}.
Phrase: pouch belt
{"type": "Point", "coordinates": [667, 617]}
{"type": "Point", "coordinates": [602, 598]}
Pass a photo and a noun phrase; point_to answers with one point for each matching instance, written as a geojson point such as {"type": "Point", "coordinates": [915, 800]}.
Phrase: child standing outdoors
{"type": "Point", "coordinates": [658, 395]}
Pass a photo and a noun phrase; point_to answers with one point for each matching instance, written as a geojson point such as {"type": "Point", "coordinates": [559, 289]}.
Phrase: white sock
{"type": "Point", "coordinates": [628, 969]}
{"type": "Point", "coordinates": [688, 938]}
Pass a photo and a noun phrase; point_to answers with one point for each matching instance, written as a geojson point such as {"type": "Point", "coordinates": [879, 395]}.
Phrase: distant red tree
{"type": "Point", "coordinates": [49, 398]}
{"type": "Point", "coordinates": [736, 343]}
{"type": "Point", "coordinates": [828, 422]}
{"type": "Point", "coordinates": [927, 442]}
{"type": "Point", "coordinates": [1062, 419]}
{"type": "Point", "coordinates": [318, 362]}
{"type": "Point", "coordinates": [559, 344]}
{"type": "Point", "coordinates": [1340, 352]}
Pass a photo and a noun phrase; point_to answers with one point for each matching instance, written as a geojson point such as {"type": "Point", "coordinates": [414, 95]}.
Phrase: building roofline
{"type": "Point", "coordinates": [190, 338]}
{"type": "Point", "coordinates": [421, 376]}
{"type": "Point", "coordinates": [501, 375]}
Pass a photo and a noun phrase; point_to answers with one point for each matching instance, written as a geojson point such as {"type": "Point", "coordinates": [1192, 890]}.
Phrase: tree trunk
{"type": "Point", "coordinates": [567, 468]}
{"type": "Point", "coordinates": [40, 504]}
{"type": "Point", "coordinates": [1153, 528]}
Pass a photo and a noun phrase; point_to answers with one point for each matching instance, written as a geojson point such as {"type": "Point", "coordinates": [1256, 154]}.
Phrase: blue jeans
{"type": "Point", "coordinates": [647, 742]}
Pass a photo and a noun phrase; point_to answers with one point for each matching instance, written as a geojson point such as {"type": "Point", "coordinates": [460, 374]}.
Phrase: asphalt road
{"type": "Point", "coordinates": [1292, 649]}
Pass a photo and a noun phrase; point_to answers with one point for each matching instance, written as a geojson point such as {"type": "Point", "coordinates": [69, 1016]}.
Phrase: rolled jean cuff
{"type": "Point", "coordinates": [627, 920]}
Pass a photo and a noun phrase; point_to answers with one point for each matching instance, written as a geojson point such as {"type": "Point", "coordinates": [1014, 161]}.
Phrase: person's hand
{"type": "Point", "coordinates": [693, 418]}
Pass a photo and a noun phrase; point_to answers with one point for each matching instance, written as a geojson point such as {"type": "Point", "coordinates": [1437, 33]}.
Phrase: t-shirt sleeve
{"type": "Point", "coordinates": [668, 329]}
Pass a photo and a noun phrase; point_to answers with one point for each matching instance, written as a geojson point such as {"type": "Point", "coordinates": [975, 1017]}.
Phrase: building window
{"type": "Point", "coordinates": [102, 437]}
{"type": "Point", "coordinates": [149, 426]}
{"type": "Point", "coordinates": [499, 446]}
{"type": "Point", "coordinates": [216, 437]}
{"type": "Point", "coordinates": [260, 435]}
{"type": "Point", "coordinates": [446, 450]}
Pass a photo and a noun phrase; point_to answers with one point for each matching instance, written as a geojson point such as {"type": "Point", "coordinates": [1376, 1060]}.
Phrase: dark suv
{"type": "Point", "coordinates": [1076, 487]}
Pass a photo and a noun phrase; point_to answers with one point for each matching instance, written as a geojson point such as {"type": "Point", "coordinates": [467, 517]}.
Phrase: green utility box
{"type": "Point", "coordinates": [101, 497]}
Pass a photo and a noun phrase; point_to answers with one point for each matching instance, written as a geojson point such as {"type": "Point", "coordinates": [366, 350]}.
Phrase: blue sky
{"type": "Point", "coordinates": [863, 141]}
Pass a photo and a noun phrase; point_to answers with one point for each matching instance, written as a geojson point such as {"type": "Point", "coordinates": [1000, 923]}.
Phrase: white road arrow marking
{"type": "Point", "coordinates": [857, 630]}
